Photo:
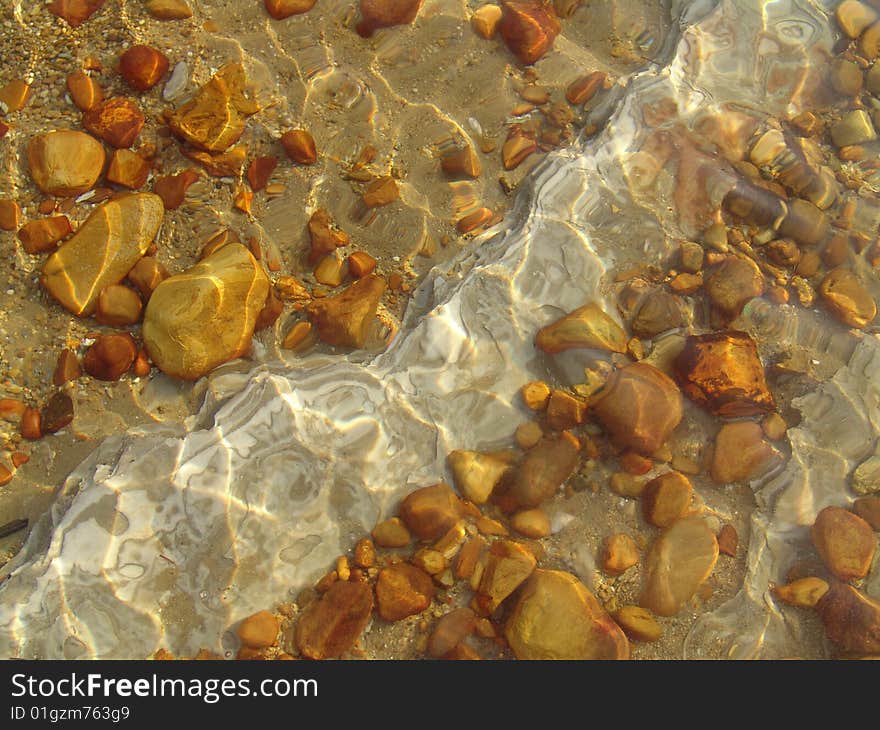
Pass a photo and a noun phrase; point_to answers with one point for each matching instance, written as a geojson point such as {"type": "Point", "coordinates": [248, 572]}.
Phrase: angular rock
{"type": "Point", "coordinates": [529, 28]}
{"type": "Point", "coordinates": [509, 565]}
{"type": "Point", "coordinates": [128, 169]}
{"type": "Point", "coordinates": [214, 119]}
{"type": "Point", "coordinates": [851, 619]}
{"type": "Point", "coordinates": [57, 413]}
{"type": "Point", "coordinates": [300, 146]}
{"type": "Point", "coordinates": [360, 264]}
{"type": "Point", "coordinates": [844, 541]}
{"type": "Point", "coordinates": [377, 14]}
{"type": "Point", "coordinates": [741, 453]}
{"type": "Point", "coordinates": [587, 326]}
{"type": "Point", "coordinates": [485, 20]}
{"type": "Point", "coordinates": [462, 162]}
{"type": "Point", "coordinates": [847, 298]}
{"type": "Point", "coordinates": [802, 593]}
{"type": "Point", "coordinates": [41, 235]}
{"type": "Point", "coordinates": [10, 214]}
{"type": "Point", "coordinates": [639, 406]}
{"type": "Point", "coordinates": [325, 237]}
{"type": "Point", "coordinates": [67, 368]}
{"type": "Point", "coordinates": [143, 67]}
{"type": "Point", "coordinates": [259, 172]}
{"type": "Point", "coordinates": [103, 251]}
{"type": "Point", "coordinates": [721, 371]}
{"type": "Point", "coordinates": [556, 617]}
{"type": "Point", "coordinates": [403, 590]}
{"type": "Point", "coordinates": [452, 628]}
{"type": "Point", "coordinates": [117, 121]}
{"type": "Point", "coordinates": [205, 316]}
{"type": "Point", "coordinates": [544, 469]}
{"type": "Point", "coordinates": [331, 625]}
{"type": "Point", "coordinates": [658, 311]}
{"type": "Point", "coordinates": [728, 540]}
{"type": "Point", "coordinates": [391, 533]}
{"type": "Point", "coordinates": [65, 163]}
{"type": "Point", "coordinates": [680, 559]}
{"type": "Point", "coordinates": [382, 191]}
{"type": "Point", "coordinates": [118, 306]}
{"type": "Point", "coordinates": [172, 188]}
{"type": "Point", "coordinates": [565, 411]}
{"type": "Point", "coordinates": [619, 554]}
{"type": "Point", "coordinates": [75, 12]}
{"type": "Point", "coordinates": [344, 319]}
{"type": "Point", "coordinates": [146, 275]}
{"type": "Point", "coordinates": [866, 476]}
{"type": "Point", "coordinates": [475, 474]}
{"type": "Point", "coordinates": [430, 511]}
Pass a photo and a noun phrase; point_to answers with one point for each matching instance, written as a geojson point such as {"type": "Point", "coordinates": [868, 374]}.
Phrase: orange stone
{"type": "Point", "coordinates": [300, 146]}
{"type": "Point", "coordinates": [117, 121]}
{"type": "Point", "coordinates": [118, 306]}
{"type": "Point", "coordinates": [75, 12]}
{"type": "Point", "coordinates": [42, 235]}
{"type": "Point", "coordinates": [169, 9]}
{"type": "Point", "coordinates": [146, 275]}
{"type": "Point", "coordinates": [430, 511]}
{"type": "Point", "coordinates": [143, 67]}
{"type": "Point", "coordinates": [67, 368]}
{"type": "Point", "coordinates": [403, 590]}
{"type": "Point", "coordinates": [666, 498]}
{"type": "Point", "coordinates": [31, 426]}
{"type": "Point", "coordinates": [529, 28]}
{"type": "Point", "coordinates": [10, 213]}
{"type": "Point", "coordinates": [330, 626]}
{"type": "Point", "coordinates": [325, 237]}
{"type": "Point", "coordinates": [344, 319]}
{"type": "Point", "coordinates": [851, 619]}
{"type": "Point", "coordinates": [584, 88]}
{"type": "Point", "coordinates": [225, 164]}
{"type": "Point", "coordinates": [15, 95]}
{"type": "Point", "coordinates": [844, 541]}
{"type": "Point", "coordinates": [722, 372]}
{"type": "Point", "coordinates": [128, 169]}
{"type": "Point", "coordinates": [110, 357]}
{"type": "Point", "coordinates": [619, 554]}
{"type": "Point", "coordinates": [360, 264]}
{"type": "Point", "coordinates": [57, 413]}
{"type": "Point", "coordinates": [381, 191]}
{"type": "Point", "coordinates": [259, 172]}
{"type": "Point", "coordinates": [258, 631]}
{"type": "Point", "coordinates": [452, 628]}
{"type": "Point", "coordinates": [544, 469]}
{"type": "Point", "coordinates": [386, 13]}
{"type": "Point", "coordinates": [84, 90]}
{"type": "Point", "coordinates": [281, 9]}
{"type": "Point", "coordinates": [172, 188]}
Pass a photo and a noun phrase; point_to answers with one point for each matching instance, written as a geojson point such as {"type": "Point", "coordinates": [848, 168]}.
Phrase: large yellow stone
{"type": "Point", "coordinates": [205, 316]}
{"type": "Point", "coordinates": [65, 163]}
{"type": "Point", "coordinates": [556, 617]}
{"type": "Point", "coordinates": [103, 251]}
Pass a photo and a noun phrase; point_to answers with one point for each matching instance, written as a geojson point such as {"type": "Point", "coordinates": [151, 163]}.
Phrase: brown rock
{"type": "Point", "coordinates": [462, 163]}
{"type": "Point", "coordinates": [75, 12]}
{"type": "Point", "coordinates": [67, 368]}
{"type": "Point", "coordinates": [556, 617]}
{"type": "Point", "coordinates": [31, 427]}
{"type": "Point", "coordinates": [656, 312]}
{"type": "Point", "coordinates": [528, 434]}
{"type": "Point", "coordinates": [300, 146]}
{"type": "Point", "coordinates": [430, 511]}
{"type": "Point", "coordinates": [169, 9]}
{"type": "Point", "coordinates": [733, 284]}
{"type": "Point", "coordinates": [364, 553]}
{"type": "Point", "coordinates": [344, 319]}
{"type": "Point", "coordinates": [844, 541]}
{"type": "Point", "coordinates": [225, 164]}
{"type": "Point", "coordinates": [403, 590]}
{"type": "Point", "coordinates": [10, 213]}
{"type": "Point", "coordinates": [330, 626]}
{"type": "Point", "coordinates": [381, 191]}
{"type": "Point", "coordinates": [619, 554]}
{"type": "Point", "coordinates": [391, 533]}
{"type": "Point", "coordinates": [325, 237]}
{"type": "Point", "coordinates": [544, 469]}
{"type": "Point", "coordinates": [638, 623]}
{"type": "Point", "coordinates": [118, 306]}
{"type": "Point", "coordinates": [360, 264]}
{"type": "Point", "coordinates": [587, 326]}
{"type": "Point", "coordinates": [143, 67]}
{"type": "Point", "coordinates": [472, 221]}
{"type": "Point", "coordinates": [802, 593]}
{"type": "Point", "coordinates": [205, 316]}
{"type": "Point", "coordinates": [65, 163]}
{"type": "Point", "coordinates": [84, 90]}
{"type": "Point", "coordinates": [15, 95]}
{"type": "Point", "coordinates": [57, 413]}
{"type": "Point", "coordinates": [214, 119]}
{"type": "Point", "coordinates": [565, 411]}
{"type": "Point", "coordinates": [584, 88]}
{"type": "Point", "coordinates": [117, 121]}
{"type": "Point", "coordinates": [485, 20]}
{"type": "Point", "coordinates": [476, 474]}
{"type": "Point", "coordinates": [639, 406]}
{"type": "Point", "coordinates": [110, 357]}
{"type": "Point", "coordinates": [722, 372]}
{"type": "Point", "coordinates": [299, 337]}
{"type": "Point", "coordinates": [259, 172]}
{"type": "Point", "coordinates": [868, 508]}
{"type": "Point", "coordinates": [42, 235]}
{"type": "Point", "coordinates": [851, 619]}
{"type": "Point", "coordinates": [431, 561]}
{"type": "Point", "coordinates": [172, 188]}
{"type": "Point", "coordinates": [847, 298]}
{"type": "Point", "coordinates": [666, 498]}
{"type": "Point", "coordinates": [741, 453]}
{"type": "Point", "coordinates": [4, 128]}
{"type": "Point", "coordinates": [533, 523]}
{"type": "Point", "coordinates": [680, 559]}
{"type": "Point", "coordinates": [270, 312]}
{"type": "Point", "coordinates": [686, 283]}
{"type": "Point", "coordinates": [259, 631]}
{"type": "Point", "coordinates": [452, 628]}
{"type": "Point", "coordinates": [146, 275]}
{"type": "Point", "coordinates": [509, 565]}
{"type": "Point", "coordinates": [281, 9]}
{"type": "Point", "coordinates": [516, 148]}
{"type": "Point", "coordinates": [128, 169]}
{"type": "Point", "coordinates": [103, 251]}
{"type": "Point", "coordinates": [529, 28]}
{"type": "Point", "coordinates": [626, 485]}
{"type": "Point", "coordinates": [377, 14]}
{"type": "Point", "coordinates": [728, 540]}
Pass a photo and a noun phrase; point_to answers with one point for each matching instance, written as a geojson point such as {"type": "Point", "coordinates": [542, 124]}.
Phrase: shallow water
{"type": "Point", "coordinates": [168, 534]}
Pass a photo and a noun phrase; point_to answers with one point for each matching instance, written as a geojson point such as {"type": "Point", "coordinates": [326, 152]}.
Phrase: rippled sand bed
{"type": "Point", "coordinates": [187, 524]}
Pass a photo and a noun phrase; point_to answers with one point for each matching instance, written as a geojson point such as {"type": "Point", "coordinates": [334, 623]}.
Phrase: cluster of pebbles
{"type": "Point", "coordinates": [470, 555]}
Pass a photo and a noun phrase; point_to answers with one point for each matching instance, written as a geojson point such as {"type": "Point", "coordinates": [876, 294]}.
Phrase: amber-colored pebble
{"type": "Point", "coordinates": [143, 67]}
{"type": "Point", "coordinates": [5, 475]}
{"type": "Point", "coordinates": [117, 121]}
{"type": "Point", "coordinates": [728, 540]}
{"type": "Point", "coordinates": [31, 427]}
{"type": "Point", "coordinates": [67, 368]}
{"type": "Point", "coordinates": [110, 357]}
{"type": "Point", "coordinates": [259, 172]}
{"type": "Point", "coordinates": [300, 146]}
{"type": "Point", "coordinates": [582, 89]}
{"type": "Point", "coordinates": [42, 235]}
{"type": "Point", "coordinates": [361, 264]}
{"type": "Point", "coordinates": [10, 212]}
{"type": "Point", "coordinates": [84, 91]}
{"type": "Point", "coordinates": [141, 367]}
{"type": "Point", "coordinates": [172, 188]}
{"type": "Point", "coordinates": [19, 458]}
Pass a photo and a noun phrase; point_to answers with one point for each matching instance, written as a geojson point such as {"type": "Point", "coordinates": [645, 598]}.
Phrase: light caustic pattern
{"type": "Point", "coordinates": [167, 536]}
